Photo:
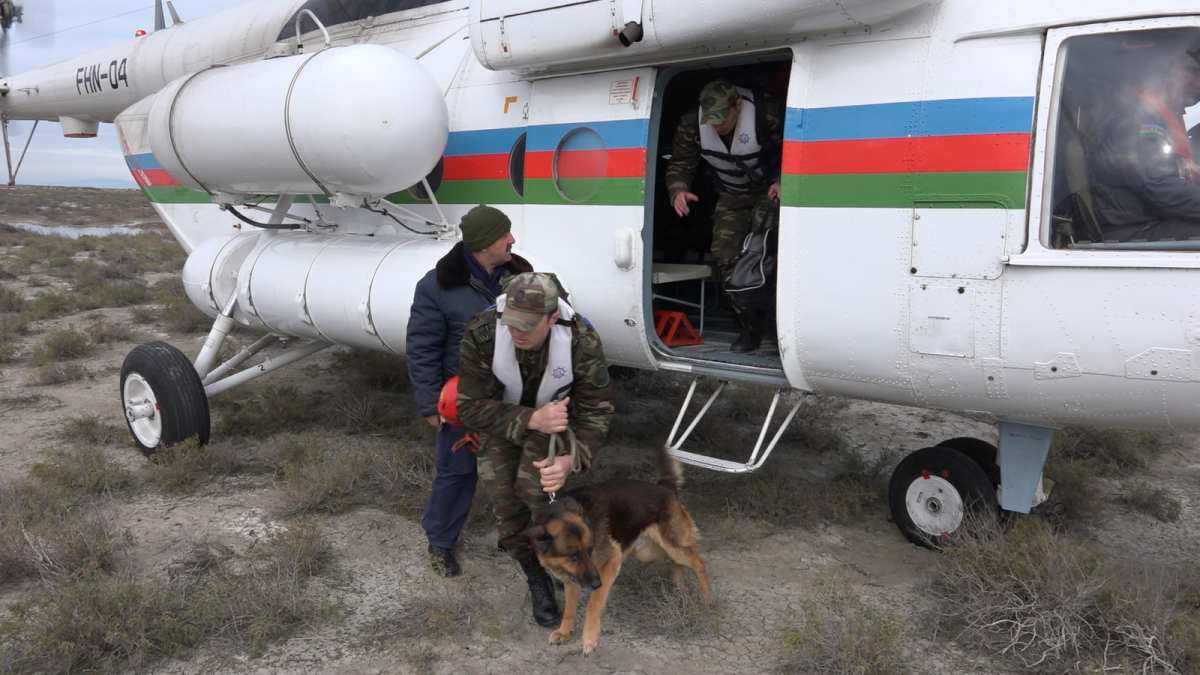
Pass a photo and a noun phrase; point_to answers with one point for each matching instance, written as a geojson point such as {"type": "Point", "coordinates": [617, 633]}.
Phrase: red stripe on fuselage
{"type": "Point", "coordinates": [476, 167]}
{"type": "Point", "coordinates": [929, 154]}
{"type": "Point", "coordinates": [153, 178]}
{"type": "Point", "coordinates": [623, 163]}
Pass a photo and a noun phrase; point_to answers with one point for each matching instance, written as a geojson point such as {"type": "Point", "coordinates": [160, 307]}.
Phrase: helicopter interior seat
{"type": "Point", "coordinates": [1075, 216]}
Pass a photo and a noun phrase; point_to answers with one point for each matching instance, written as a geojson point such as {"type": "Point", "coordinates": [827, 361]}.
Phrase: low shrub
{"type": "Point", "coordinates": [836, 632]}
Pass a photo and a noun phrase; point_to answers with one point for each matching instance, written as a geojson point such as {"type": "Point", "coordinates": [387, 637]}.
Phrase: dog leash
{"type": "Point", "coordinates": [575, 464]}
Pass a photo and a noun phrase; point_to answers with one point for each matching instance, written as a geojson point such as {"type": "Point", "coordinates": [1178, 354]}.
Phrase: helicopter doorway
{"type": "Point", "coordinates": [691, 316]}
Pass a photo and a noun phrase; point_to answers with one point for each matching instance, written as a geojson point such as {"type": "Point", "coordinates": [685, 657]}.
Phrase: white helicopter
{"type": "Point", "coordinates": [312, 157]}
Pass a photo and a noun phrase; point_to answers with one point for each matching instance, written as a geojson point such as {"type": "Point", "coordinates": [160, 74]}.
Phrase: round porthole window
{"type": "Point", "coordinates": [580, 161]}
{"type": "Point", "coordinates": [516, 166]}
{"type": "Point", "coordinates": [434, 178]}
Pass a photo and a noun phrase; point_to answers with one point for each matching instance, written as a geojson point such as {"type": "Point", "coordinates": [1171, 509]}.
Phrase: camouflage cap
{"type": "Point", "coordinates": [716, 98]}
{"type": "Point", "coordinates": [529, 297]}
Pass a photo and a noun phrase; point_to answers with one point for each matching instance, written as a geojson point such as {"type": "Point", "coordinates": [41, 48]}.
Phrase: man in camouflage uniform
{"type": "Point", "coordinates": [743, 157]}
{"type": "Point", "coordinates": [513, 358]}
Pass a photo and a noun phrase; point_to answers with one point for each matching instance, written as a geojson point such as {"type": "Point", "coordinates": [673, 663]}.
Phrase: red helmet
{"type": "Point", "coordinates": [448, 402]}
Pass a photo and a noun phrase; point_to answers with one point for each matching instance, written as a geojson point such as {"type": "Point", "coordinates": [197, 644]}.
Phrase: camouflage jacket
{"type": "Point", "coordinates": [480, 408]}
{"type": "Point", "coordinates": [685, 154]}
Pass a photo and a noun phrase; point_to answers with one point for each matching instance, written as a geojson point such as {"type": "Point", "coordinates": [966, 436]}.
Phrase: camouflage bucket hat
{"type": "Point", "coordinates": [529, 297]}
{"type": "Point", "coordinates": [716, 98]}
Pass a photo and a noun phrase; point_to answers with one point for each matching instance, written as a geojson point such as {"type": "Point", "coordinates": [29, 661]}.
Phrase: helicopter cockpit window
{"type": "Point", "coordinates": [334, 12]}
{"type": "Point", "coordinates": [1125, 162]}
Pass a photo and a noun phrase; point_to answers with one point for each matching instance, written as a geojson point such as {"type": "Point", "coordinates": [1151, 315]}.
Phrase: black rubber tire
{"type": "Point", "coordinates": [981, 452]}
{"type": "Point", "coordinates": [172, 378]}
{"type": "Point", "coordinates": [973, 487]}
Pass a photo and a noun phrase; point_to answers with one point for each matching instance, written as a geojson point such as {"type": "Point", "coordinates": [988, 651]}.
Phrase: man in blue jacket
{"type": "Point", "coordinates": [463, 283]}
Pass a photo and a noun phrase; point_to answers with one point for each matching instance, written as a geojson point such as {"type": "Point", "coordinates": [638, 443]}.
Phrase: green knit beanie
{"type": "Point", "coordinates": [482, 226]}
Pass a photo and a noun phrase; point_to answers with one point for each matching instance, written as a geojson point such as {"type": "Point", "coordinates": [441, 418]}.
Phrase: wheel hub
{"type": "Point", "coordinates": [141, 406]}
{"type": "Point", "coordinates": [934, 505]}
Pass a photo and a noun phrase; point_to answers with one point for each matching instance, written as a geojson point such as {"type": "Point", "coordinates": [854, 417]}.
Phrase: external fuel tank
{"type": "Point", "coordinates": [348, 122]}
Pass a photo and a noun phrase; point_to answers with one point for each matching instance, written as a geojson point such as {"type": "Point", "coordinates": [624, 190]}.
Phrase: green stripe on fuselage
{"type": "Point", "coordinates": [901, 190]}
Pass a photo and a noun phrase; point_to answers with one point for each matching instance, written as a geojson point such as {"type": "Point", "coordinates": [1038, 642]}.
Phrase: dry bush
{"type": "Point", "coordinates": [377, 370]}
{"type": "Point", "coordinates": [176, 310]}
{"type": "Point", "coordinates": [274, 409]}
{"type": "Point", "coordinates": [48, 305]}
{"type": "Point", "coordinates": [48, 523]}
{"type": "Point", "coordinates": [56, 373]}
{"type": "Point", "coordinates": [1155, 501]}
{"type": "Point", "coordinates": [91, 429]}
{"type": "Point", "coordinates": [1047, 601]}
{"type": "Point", "coordinates": [646, 600]}
{"type": "Point", "coordinates": [11, 301]}
{"type": "Point", "coordinates": [113, 294]}
{"type": "Point", "coordinates": [836, 632]}
{"type": "Point", "coordinates": [329, 476]}
{"type": "Point", "coordinates": [12, 327]}
{"type": "Point", "coordinates": [740, 509]}
{"type": "Point", "coordinates": [98, 621]}
{"type": "Point", "coordinates": [1079, 456]}
{"type": "Point", "coordinates": [83, 468]}
{"type": "Point", "coordinates": [61, 345]}
{"type": "Point", "coordinates": [9, 401]}
{"type": "Point", "coordinates": [182, 468]}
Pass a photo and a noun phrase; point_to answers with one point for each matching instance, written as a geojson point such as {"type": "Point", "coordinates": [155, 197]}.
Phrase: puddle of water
{"type": "Point", "coordinates": [77, 232]}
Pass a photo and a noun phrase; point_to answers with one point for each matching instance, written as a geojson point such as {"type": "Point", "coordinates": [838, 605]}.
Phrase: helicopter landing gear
{"type": "Point", "coordinates": [932, 491]}
{"type": "Point", "coordinates": [163, 399]}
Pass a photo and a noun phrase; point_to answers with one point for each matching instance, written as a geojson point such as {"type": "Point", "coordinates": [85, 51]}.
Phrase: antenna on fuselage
{"type": "Point", "coordinates": [160, 21]}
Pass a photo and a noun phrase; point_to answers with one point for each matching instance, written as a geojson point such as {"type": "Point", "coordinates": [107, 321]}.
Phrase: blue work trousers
{"type": "Point", "coordinates": [453, 489]}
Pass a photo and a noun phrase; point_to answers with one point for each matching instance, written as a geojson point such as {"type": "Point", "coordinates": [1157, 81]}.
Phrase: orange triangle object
{"type": "Point", "coordinates": [674, 329]}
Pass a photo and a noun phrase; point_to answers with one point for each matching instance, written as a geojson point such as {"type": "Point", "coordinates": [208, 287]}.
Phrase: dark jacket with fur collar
{"type": "Point", "coordinates": [444, 301]}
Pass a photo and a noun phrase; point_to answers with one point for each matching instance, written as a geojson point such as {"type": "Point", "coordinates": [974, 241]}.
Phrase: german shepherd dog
{"type": "Point", "coordinates": [584, 536]}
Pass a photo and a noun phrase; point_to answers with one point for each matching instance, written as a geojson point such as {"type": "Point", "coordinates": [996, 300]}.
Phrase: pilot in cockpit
{"type": "Point", "coordinates": [1140, 156]}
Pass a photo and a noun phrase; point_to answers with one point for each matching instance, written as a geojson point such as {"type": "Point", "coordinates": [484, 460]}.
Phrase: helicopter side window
{"type": "Point", "coordinates": [334, 12]}
{"type": "Point", "coordinates": [1125, 172]}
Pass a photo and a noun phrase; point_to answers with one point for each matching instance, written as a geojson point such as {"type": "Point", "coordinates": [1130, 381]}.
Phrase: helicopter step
{"type": "Point", "coordinates": [758, 455]}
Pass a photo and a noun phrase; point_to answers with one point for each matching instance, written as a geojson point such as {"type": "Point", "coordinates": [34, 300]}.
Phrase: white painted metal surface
{"type": "Point", "coordinates": [277, 126]}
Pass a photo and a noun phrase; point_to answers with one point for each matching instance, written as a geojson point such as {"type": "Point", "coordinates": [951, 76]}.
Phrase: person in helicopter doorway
{"type": "Point", "coordinates": [1141, 156]}
{"type": "Point", "coordinates": [739, 136]}
{"type": "Point", "coordinates": [463, 283]}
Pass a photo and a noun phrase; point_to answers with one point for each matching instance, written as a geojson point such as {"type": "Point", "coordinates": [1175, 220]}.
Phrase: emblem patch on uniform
{"type": "Point", "coordinates": [744, 138]}
{"type": "Point", "coordinates": [600, 377]}
{"type": "Point", "coordinates": [559, 373]}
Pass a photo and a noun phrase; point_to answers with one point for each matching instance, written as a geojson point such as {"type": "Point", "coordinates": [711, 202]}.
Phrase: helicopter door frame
{"type": "Point", "coordinates": [666, 358]}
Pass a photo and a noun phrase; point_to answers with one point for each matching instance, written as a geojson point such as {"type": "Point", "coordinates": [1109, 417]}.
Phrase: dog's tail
{"type": "Point", "coordinates": [670, 471]}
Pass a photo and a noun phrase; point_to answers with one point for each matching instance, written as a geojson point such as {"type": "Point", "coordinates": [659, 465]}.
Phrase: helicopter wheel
{"type": "Point", "coordinates": [932, 491]}
{"type": "Point", "coordinates": [163, 398]}
{"type": "Point", "coordinates": [979, 451]}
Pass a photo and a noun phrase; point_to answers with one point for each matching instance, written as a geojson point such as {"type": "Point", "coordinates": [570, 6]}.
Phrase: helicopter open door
{"type": "Point", "coordinates": [689, 320]}
{"type": "Point", "coordinates": [587, 147]}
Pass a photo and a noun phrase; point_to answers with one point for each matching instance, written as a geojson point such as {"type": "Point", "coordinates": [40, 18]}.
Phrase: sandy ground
{"type": "Point", "coordinates": [380, 566]}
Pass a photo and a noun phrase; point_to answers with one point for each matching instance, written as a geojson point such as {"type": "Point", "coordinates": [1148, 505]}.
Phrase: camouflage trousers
{"type": "Point", "coordinates": [514, 486]}
{"type": "Point", "coordinates": [735, 216]}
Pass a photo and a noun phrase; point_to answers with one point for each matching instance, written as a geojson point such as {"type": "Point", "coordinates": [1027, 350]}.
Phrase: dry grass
{"type": "Point", "coordinates": [330, 476]}
{"type": "Point", "coordinates": [1078, 457]}
{"type": "Point", "coordinates": [50, 525]}
{"type": "Point", "coordinates": [1050, 603]}
{"type": "Point", "coordinates": [837, 633]}
{"type": "Point", "coordinates": [645, 600]}
{"type": "Point", "coordinates": [56, 373]}
{"type": "Point", "coordinates": [182, 468]}
{"type": "Point", "coordinates": [60, 345]}
{"type": "Point", "coordinates": [1157, 502]}
{"type": "Point", "coordinates": [99, 621]}
{"type": "Point", "coordinates": [376, 370]}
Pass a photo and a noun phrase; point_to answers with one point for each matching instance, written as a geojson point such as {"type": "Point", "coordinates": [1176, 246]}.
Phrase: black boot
{"type": "Point", "coordinates": [443, 562]}
{"type": "Point", "coordinates": [752, 332]}
{"type": "Point", "coordinates": [541, 590]}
